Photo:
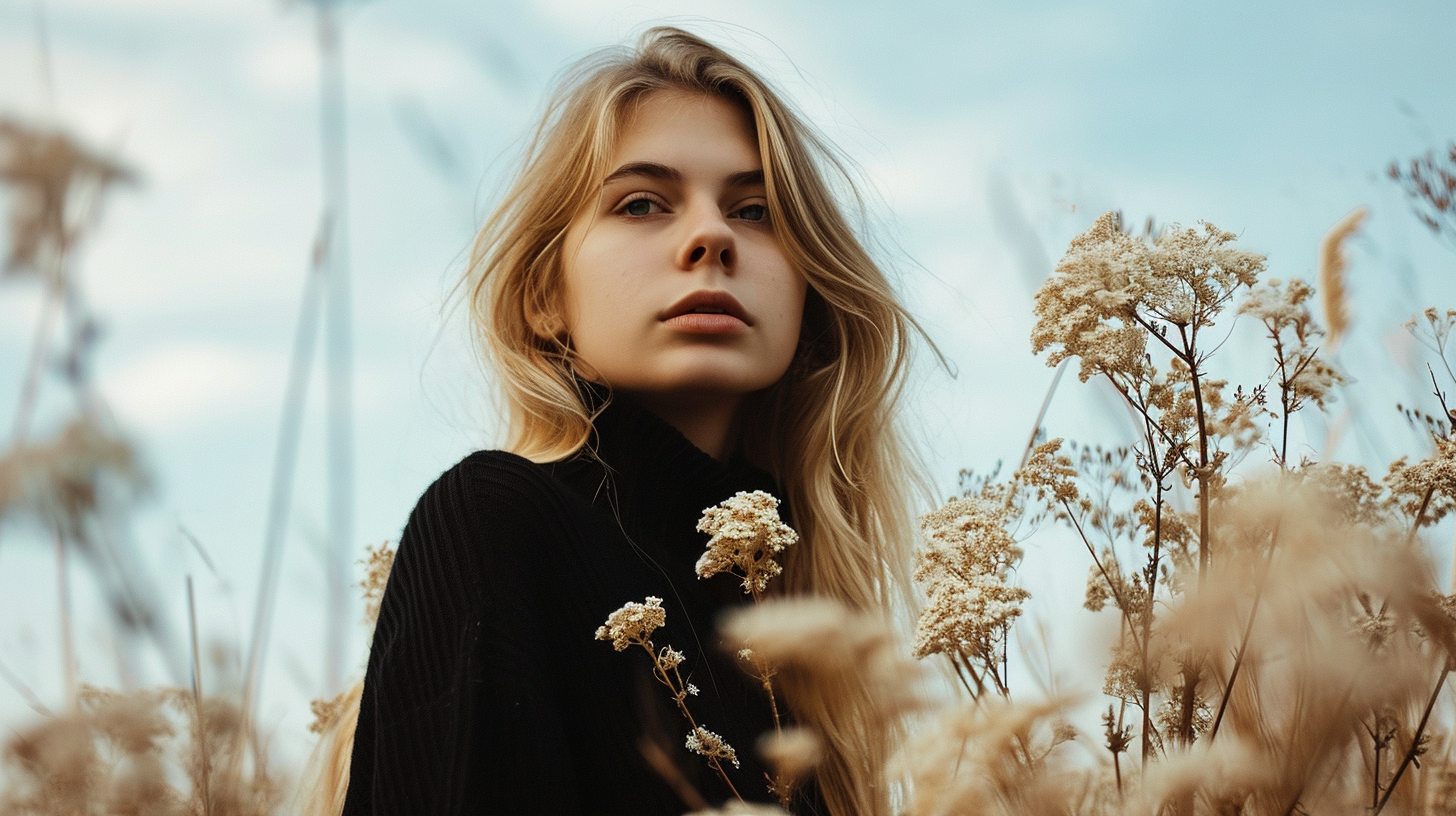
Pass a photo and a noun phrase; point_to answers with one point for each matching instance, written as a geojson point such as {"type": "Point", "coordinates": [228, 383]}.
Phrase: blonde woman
{"type": "Point", "coordinates": [676, 309]}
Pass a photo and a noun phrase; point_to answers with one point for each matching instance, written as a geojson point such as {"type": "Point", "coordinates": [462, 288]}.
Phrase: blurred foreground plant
{"type": "Point", "coordinates": [159, 752]}
{"type": "Point", "coordinates": [1283, 644]}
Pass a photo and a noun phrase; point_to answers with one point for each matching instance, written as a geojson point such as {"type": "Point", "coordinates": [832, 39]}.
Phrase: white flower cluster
{"type": "Point", "coordinates": [746, 534]}
{"type": "Point", "coordinates": [633, 624]}
{"type": "Point", "coordinates": [966, 563]}
{"type": "Point", "coordinates": [1111, 287]}
{"type": "Point", "coordinates": [705, 742]}
{"type": "Point", "coordinates": [1283, 311]}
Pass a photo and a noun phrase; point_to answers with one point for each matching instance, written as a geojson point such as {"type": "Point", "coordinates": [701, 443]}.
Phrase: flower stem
{"type": "Point", "coordinates": [1248, 630]}
{"type": "Point", "coordinates": [1415, 744]}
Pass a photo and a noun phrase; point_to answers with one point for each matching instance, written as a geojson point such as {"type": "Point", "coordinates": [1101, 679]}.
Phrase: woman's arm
{"type": "Point", "coordinates": [456, 714]}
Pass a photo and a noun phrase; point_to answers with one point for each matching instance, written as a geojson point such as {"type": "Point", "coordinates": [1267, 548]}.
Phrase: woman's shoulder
{"type": "Point", "coordinates": [488, 485]}
{"type": "Point", "coordinates": [487, 513]}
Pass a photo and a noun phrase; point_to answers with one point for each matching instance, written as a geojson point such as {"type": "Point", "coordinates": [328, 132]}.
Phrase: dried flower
{"type": "Point", "coordinates": [705, 742]}
{"type": "Point", "coordinates": [746, 533]}
{"type": "Point", "coordinates": [1303, 374]}
{"type": "Point", "coordinates": [1430, 182]}
{"type": "Point", "coordinates": [376, 577]}
{"type": "Point", "coordinates": [1435, 331]}
{"type": "Point", "coordinates": [1111, 289]}
{"type": "Point", "coordinates": [62, 481]}
{"type": "Point", "coordinates": [633, 624]}
{"type": "Point", "coordinates": [56, 185]}
{"type": "Point", "coordinates": [326, 713]}
{"type": "Point", "coordinates": [1053, 476]}
{"type": "Point", "coordinates": [966, 565]}
{"type": "Point", "coordinates": [151, 751]}
{"type": "Point", "coordinates": [792, 752]}
{"type": "Point", "coordinates": [822, 642]}
{"type": "Point", "coordinates": [1352, 496]}
{"type": "Point", "coordinates": [1333, 264]}
{"type": "Point", "coordinates": [1426, 490]}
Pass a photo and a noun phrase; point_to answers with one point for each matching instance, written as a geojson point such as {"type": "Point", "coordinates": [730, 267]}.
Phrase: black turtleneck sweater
{"type": "Point", "coordinates": [486, 691]}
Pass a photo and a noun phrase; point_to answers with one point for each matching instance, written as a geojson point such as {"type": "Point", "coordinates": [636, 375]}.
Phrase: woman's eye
{"type": "Point", "coordinates": [754, 212]}
{"type": "Point", "coordinates": [639, 207]}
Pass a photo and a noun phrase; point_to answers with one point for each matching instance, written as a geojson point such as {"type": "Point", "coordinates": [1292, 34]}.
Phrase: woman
{"type": "Point", "coordinates": [675, 309]}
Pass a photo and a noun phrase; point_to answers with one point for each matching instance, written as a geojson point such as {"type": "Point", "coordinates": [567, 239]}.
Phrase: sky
{"type": "Point", "coordinates": [986, 136]}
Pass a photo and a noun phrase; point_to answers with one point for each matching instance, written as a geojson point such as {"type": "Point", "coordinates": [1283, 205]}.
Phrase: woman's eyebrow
{"type": "Point", "coordinates": [744, 178]}
{"type": "Point", "coordinates": [747, 178]}
{"type": "Point", "coordinates": [649, 169]}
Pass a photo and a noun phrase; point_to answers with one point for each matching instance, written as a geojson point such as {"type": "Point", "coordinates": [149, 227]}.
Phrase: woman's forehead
{"type": "Point", "coordinates": [692, 133]}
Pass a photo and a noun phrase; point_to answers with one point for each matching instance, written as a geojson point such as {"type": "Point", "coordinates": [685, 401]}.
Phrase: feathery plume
{"type": "Point", "coordinates": [1333, 264]}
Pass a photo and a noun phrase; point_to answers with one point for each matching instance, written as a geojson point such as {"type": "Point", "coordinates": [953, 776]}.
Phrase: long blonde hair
{"type": "Point", "coordinates": [826, 430]}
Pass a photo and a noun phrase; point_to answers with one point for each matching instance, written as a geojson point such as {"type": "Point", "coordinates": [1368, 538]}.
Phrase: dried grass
{"type": "Point", "coordinates": [144, 752]}
{"type": "Point", "coordinates": [1333, 264]}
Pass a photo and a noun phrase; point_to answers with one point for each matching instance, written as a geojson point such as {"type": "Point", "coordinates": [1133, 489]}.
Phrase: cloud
{"type": "Point", "coordinates": [211, 9]}
{"type": "Point", "coordinates": [188, 384]}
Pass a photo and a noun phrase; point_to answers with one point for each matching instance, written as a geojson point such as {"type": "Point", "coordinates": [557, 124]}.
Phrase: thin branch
{"type": "Point", "coordinates": [13, 680]}
{"type": "Point", "coordinates": [663, 765]}
{"type": "Point", "coordinates": [201, 722]}
{"type": "Point", "coordinates": [1046, 402]}
{"type": "Point", "coordinates": [1116, 595]}
{"type": "Point", "coordinates": [1415, 743]}
{"type": "Point", "coordinates": [1248, 631]}
{"type": "Point", "coordinates": [1177, 352]}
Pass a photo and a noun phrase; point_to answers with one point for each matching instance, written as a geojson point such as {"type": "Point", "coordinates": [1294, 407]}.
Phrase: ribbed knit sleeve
{"type": "Point", "coordinates": [455, 716]}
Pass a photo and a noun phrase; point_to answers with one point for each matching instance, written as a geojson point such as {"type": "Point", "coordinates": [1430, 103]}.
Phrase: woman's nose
{"type": "Point", "coordinates": [709, 241]}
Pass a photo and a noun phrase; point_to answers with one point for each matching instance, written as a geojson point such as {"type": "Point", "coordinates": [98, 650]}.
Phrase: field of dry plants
{"type": "Point", "coordinates": [1285, 642]}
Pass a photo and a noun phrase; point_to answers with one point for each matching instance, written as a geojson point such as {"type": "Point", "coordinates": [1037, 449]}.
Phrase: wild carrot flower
{"type": "Point", "coordinates": [1435, 331]}
{"type": "Point", "coordinates": [966, 565]}
{"type": "Point", "coordinates": [1349, 494]}
{"type": "Point", "coordinates": [633, 624]}
{"type": "Point", "coordinates": [1303, 373]}
{"type": "Point", "coordinates": [705, 742]}
{"type": "Point", "coordinates": [1051, 474]}
{"type": "Point", "coordinates": [1111, 289]}
{"type": "Point", "coordinates": [1426, 490]}
{"type": "Point", "coordinates": [746, 534]}
{"type": "Point", "coordinates": [1430, 182]}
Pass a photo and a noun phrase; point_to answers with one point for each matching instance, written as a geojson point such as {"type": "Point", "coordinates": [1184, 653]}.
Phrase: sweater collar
{"type": "Point", "coordinates": [659, 481]}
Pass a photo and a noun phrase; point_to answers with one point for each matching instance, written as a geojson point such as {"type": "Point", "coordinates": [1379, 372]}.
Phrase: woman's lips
{"type": "Point", "coordinates": [706, 323]}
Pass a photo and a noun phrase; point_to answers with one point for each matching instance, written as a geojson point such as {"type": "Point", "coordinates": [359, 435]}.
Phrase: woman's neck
{"type": "Point", "coordinates": [705, 419]}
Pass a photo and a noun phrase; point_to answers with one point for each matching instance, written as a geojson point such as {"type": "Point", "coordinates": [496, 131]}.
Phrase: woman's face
{"type": "Point", "coordinates": [675, 285]}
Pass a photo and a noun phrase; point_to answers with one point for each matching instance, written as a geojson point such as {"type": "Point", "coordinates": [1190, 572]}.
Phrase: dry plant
{"type": "Point", "coordinates": [745, 534]}
{"type": "Point", "coordinates": [633, 625]}
{"type": "Point", "coordinates": [158, 751]}
{"type": "Point", "coordinates": [1283, 643]}
{"type": "Point", "coordinates": [152, 751]}
{"type": "Point", "coordinates": [1430, 182]}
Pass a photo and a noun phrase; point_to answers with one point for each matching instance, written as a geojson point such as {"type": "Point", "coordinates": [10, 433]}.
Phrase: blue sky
{"type": "Point", "coordinates": [988, 135]}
